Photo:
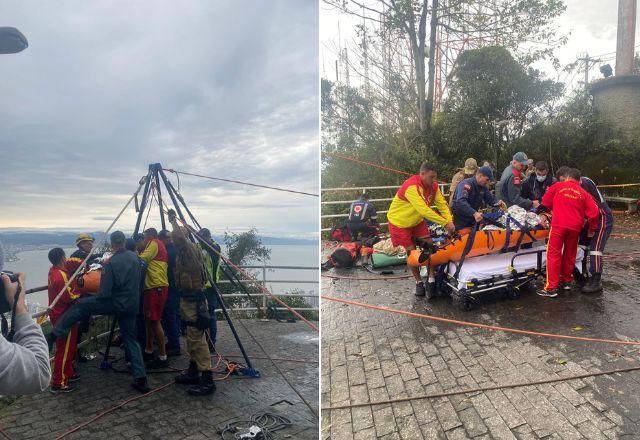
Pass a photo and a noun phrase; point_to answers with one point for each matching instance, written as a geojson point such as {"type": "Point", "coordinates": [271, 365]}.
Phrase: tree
{"type": "Point", "coordinates": [492, 100]}
{"type": "Point", "coordinates": [525, 26]}
{"type": "Point", "coordinates": [243, 249]}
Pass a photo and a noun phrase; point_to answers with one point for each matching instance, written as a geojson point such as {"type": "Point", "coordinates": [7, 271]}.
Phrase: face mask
{"type": "Point", "coordinates": [541, 178]}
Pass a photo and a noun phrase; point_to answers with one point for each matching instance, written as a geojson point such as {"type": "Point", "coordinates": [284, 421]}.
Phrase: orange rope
{"type": "Point", "coordinates": [338, 277]}
{"type": "Point", "coordinates": [248, 276]}
{"type": "Point", "coordinates": [475, 324]}
{"type": "Point", "coordinates": [369, 163]}
{"type": "Point", "coordinates": [620, 185]}
{"type": "Point", "coordinates": [112, 409]}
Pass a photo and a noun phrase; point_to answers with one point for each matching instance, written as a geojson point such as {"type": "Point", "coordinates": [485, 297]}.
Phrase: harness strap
{"type": "Point", "coordinates": [467, 248]}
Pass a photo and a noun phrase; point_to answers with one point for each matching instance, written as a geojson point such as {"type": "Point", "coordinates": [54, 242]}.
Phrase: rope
{"type": "Point", "coordinates": [247, 275]}
{"type": "Point", "coordinates": [338, 277]}
{"type": "Point", "coordinates": [84, 262]}
{"type": "Point", "coordinates": [240, 182]}
{"type": "Point", "coordinates": [481, 389]}
{"type": "Point", "coordinates": [368, 163]}
{"type": "Point", "coordinates": [112, 409]}
{"type": "Point", "coordinates": [477, 325]}
{"type": "Point", "coordinates": [620, 185]}
{"type": "Point", "coordinates": [632, 236]}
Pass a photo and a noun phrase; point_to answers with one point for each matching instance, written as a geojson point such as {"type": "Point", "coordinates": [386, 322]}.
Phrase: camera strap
{"type": "Point", "coordinates": [8, 334]}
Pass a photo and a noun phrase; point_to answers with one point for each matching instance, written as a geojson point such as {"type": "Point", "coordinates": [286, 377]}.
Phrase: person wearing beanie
{"type": "Point", "coordinates": [472, 194]}
{"type": "Point", "coordinates": [469, 170]}
{"type": "Point", "coordinates": [509, 187]}
{"type": "Point", "coordinates": [25, 358]}
{"type": "Point", "coordinates": [119, 295]}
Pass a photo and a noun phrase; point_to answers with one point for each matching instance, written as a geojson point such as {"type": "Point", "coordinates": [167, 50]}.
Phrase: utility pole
{"type": "Point", "coordinates": [625, 47]}
{"type": "Point", "coordinates": [587, 65]}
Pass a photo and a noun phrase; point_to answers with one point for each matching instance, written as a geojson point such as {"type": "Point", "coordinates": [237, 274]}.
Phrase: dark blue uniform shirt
{"type": "Point", "coordinates": [469, 198]}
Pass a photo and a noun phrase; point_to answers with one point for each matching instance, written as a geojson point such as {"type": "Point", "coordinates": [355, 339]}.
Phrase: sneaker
{"type": "Point", "coordinates": [147, 357]}
{"type": "Point", "coordinates": [57, 389]}
{"type": "Point", "coordinates": [82, 358]}
{"type": "Point", "coordinates": [420, 290]}
{"type": "Point", "coordinates": [74, 378]}
{"type": "Point", "coordinates": [141, 385]}
{"type": "Point", "coordinates": [548, 293]}
{"type": "Point", "coordinates": [566, 286]}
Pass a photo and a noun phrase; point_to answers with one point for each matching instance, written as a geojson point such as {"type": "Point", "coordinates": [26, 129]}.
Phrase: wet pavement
{"type": "Point", "coordinates": [170, 413]}
{"type": "Point", "coordinates": [375, 355]}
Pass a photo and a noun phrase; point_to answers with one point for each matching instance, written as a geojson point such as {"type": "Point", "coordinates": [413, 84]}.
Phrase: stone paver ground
{"type": "Point", "coordinates": [171, 413]}
{"type": "Point", "coordinates": [373, 355]}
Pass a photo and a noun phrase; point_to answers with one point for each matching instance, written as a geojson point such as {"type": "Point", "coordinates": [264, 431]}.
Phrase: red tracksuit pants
{"type": "Point", "coordinates": [63, 360]}
{"type": "Point", "coordinates": [561, 256]}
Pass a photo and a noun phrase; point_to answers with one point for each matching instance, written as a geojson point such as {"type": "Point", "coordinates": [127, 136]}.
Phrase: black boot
{"type": "Point", "coordinates": [190, 377]}
{"type": "Point", "coordinates": [594, 285]}
{"type": "Point", "coordinates": [141, 385]}
{"type": "Point", "coordinates": [205, 387]}
{"type": "Point", "coordinates": [431, 290]}
{"type": "Point", "coordinates": [420, 289]}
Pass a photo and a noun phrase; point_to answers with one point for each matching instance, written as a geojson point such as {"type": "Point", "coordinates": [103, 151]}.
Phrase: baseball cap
{"type": "Point", "coordinates": [521, 157]}
{"type": "Point", "coordinates": [117, 237]}
{"type": "Point", "coordinates": [470, 166]}
{"type": "Point", "coordinates": [487, 172]}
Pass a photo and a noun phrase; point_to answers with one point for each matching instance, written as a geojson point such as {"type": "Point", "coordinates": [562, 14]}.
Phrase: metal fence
{"type": "Point", "coordinates": [312, 299]}
{"type": "Point", "coordinates": [361, 190]}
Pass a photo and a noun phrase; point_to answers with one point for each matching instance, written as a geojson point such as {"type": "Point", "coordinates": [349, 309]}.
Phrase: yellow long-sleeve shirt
{"type": "Point", "coordinates": [155, 255]}
{"type": "Point", "coordinates": [412, 204]}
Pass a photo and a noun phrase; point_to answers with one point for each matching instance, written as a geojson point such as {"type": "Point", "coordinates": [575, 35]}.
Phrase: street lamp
{"type": "Point", "coordinates": [12, 40]}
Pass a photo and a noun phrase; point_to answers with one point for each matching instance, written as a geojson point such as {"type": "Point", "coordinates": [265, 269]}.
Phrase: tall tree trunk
{"type": "Point", "coordinates": [432, 63]}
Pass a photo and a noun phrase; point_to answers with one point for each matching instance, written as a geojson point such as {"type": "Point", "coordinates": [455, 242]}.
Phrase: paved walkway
{"type": "Point", "coordinates": [373, 355]}
{"type": "Point", "coordinates": [171, 413]}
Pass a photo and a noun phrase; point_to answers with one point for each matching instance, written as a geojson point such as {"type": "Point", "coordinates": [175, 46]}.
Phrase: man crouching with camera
{"type": "Point", "coordinates": [24, 354]}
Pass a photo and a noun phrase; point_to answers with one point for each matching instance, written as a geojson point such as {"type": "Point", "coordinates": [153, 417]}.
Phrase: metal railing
{"type": "Point", "coordinates": [362, 190]}
{"type": "Point", "coordinates": [313, 303]}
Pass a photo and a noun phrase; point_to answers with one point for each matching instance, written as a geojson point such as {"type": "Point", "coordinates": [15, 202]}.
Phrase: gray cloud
{"type": "Point", "coordinates": [226, 89]}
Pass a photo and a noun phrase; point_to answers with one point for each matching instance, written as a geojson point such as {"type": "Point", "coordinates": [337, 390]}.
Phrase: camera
{"type": "Point", "coordinates": [4, 304]}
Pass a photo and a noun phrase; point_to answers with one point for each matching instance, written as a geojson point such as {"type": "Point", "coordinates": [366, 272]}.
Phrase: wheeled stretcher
{"type": "Point", "coordinates": [509, 273]}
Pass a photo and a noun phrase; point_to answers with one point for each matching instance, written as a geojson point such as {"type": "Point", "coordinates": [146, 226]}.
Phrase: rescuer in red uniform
{"type": "Point", "coordinates": [63, 371]}
{"type": "Point", "coordinates": [570, 204]}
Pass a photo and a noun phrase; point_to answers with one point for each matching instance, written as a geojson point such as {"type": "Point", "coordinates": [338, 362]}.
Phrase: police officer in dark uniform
{"type": "Point", "coordinates": [363, 218]}
{"type": "Point", "coordinates": [471, 195]}
{"type": "Point", "coordinates": [598, 242]}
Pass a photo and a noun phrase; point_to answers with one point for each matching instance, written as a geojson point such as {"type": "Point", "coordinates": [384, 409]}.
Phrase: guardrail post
{"type": "Point", "coordinates": [264, 296]}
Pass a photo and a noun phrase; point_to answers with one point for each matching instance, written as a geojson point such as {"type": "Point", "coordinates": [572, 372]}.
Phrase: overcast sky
{"type": "Point", "coordinates": [590, 25]}
{"type": "Point", "coordinates": [227, 89]}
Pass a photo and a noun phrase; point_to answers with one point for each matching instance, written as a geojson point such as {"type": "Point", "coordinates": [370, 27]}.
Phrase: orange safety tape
{"type": "Point", "coordinates": [475, 324]}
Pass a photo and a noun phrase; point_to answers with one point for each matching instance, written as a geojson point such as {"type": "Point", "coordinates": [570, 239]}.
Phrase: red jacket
{"type": "Point", "coordinates": [57, 280]}
{"type": "Point", "coordinates": [570, 204]}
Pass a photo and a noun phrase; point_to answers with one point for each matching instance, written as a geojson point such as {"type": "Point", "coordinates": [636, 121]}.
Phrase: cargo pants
{"type": "Point", "coordinates": [196, 343]}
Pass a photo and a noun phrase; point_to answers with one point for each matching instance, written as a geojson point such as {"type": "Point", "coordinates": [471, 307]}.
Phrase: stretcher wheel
{"type": "Point", "coordinates": [512, 293]}
{"type": "Point", "coordinates": [463, 300]}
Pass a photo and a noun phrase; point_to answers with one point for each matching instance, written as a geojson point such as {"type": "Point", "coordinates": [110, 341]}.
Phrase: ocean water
{"type": "Point", "coordinates": [36, 267]}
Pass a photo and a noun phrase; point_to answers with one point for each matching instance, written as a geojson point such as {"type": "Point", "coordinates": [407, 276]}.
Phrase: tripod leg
{"type": "Point", "coordinates": [251, 371]}
{"type": "Point", "coordinates": [105, 364]}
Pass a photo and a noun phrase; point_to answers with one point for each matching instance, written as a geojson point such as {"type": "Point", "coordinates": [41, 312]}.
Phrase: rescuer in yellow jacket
{"type": "Point", "coordinates": [156, 290]}
{"type": "Point", "coordinates": [410, 207]}
{"type": "Point", "coordinates": [212, 265]}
